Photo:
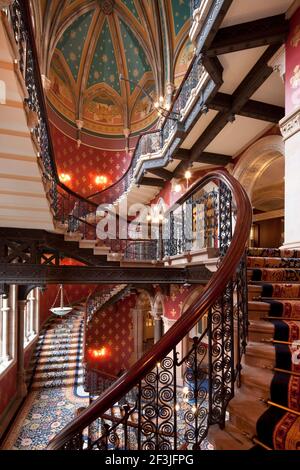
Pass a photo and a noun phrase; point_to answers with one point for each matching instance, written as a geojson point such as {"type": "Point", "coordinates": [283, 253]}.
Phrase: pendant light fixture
{"type": "Point", "coordinates": [61, 310]}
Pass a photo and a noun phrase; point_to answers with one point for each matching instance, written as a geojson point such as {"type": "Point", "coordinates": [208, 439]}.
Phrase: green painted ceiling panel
{"type": "Point", "coordinates": [72, 42]}
{"type": "Point", "coordinates": [137, 62]}
{"type": "Point", "coordinates": [131, 6]}
{"type": "Point", "coordinates": [181, 13]}
{"type": "Point", "coordinates": [104, 66]}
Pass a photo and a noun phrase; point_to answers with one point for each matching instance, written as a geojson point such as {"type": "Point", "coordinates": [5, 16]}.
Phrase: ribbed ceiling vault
{"type": "Point", "coordinates": [85, 45]}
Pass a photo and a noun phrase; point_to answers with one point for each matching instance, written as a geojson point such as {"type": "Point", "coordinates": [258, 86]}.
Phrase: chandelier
{"type": "Point", "coordinates": [61, 310]}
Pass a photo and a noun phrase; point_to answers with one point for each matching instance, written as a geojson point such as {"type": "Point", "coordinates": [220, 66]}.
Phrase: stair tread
{"type": "Point", "coordinates": [257, 376]}
{"type": "Point", "coordinates": [229, 438]}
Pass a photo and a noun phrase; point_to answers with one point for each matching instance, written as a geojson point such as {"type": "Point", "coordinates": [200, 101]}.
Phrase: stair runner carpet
{"type": "Point", "coordinates": [277, 271]}
{"type": "Point", "coordinates": [56, 391]}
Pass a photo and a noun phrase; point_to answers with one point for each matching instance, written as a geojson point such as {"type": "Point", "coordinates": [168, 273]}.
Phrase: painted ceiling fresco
{"type": "Point", "coordinates": [88, 44]}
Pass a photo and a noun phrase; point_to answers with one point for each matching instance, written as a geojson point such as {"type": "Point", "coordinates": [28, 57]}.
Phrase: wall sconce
{"type": "Point", "coordinates": [98, 353]}
{"type": "Point", "coordinates": [101, 180]}
{"type": "Point", "coordinates": [177, 188]}
{"type": "Point", "coordinates": [65, 178]}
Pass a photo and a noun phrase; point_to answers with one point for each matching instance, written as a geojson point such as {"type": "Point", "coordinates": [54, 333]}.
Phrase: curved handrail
{"type": "Point", "coordinates": [183, 325]}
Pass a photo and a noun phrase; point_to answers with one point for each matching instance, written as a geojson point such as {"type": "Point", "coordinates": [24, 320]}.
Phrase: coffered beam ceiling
{"type": "Point", "coordinates": [256, 33]}
{"type": "Point", "coordinates": [252, 109]}
{"type": "Point", "coordinates": [161, 173]}
{"type": "Point", "coordinates": [251, 83]}
{"type": "Point", "coordinates": [152, 182]}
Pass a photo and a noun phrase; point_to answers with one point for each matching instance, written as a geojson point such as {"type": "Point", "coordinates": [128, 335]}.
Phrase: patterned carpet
{"type": "Point", "coordinates": [277, 272]}
{"type": "Point", "coordinates": [56, 391]}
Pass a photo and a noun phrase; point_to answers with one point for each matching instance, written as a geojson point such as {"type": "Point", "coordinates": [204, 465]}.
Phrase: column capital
{"type": "Point", "coordinates": [290, 125]}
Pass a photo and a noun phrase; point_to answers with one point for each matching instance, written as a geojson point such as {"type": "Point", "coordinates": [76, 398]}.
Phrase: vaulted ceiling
{"type": "Point", "coordinates": [85, 46]}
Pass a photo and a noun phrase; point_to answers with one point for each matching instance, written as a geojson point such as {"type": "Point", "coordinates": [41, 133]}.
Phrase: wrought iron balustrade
{"type": "Point", "coordinates": [195, 4]}
{"type": "Point", "coordinates": [170, 401]}
{"type": "Point", "coordinates": [194, 223]}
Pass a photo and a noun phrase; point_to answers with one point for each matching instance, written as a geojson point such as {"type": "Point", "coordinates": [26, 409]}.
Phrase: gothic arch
{"type": "Point", "coordinates": [256, 159]}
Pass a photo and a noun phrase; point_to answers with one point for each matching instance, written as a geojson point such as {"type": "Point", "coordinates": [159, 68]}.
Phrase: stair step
{"type": "Point", "coordinates": [267, 275]}
{"type": "Point", "coordinates": [260, 330]}
{"type": "Point", "coordinates": [272, 262]}
{"type": "Point", "coordinates": [229, 438]}
{"type": "Point", "coordinates": [46, 376]}
{"type": "Point", "coordinates": [60, 353]}
{"type": "Point", "coordinates": [56, 384]}
{"type": "Point", "coordinates": [59, 367]}
{"type": "Point", "coordinates": [58, 341]}
{"type": "Point", "coordinates": [258, 309]}
{"type": "Point", "coordinates": [101, 250]}
{"type": "Point", "coordinates": [73, 237]}
{"type": "Point", "coordinates": [257, 380]}
{"type": "Point", "coordinates": [87, 244]}
{"type": "Point", "coordinates": [244, 411]}
{"type": "Point", "coordinates": [50, 361]}
{"type": "Point", "coordinates": [260, 355]}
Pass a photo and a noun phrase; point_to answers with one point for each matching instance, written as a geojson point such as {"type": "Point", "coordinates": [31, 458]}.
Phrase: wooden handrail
{"type": "Point", "coordinates": [183, 325]}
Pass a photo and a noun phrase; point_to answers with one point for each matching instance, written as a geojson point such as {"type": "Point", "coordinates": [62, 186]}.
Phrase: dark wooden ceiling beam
{"type": "Point", "coordinates": [216, 21]}
{"type": "Point", "coordinates": [262, 111]}
{"type": "Point", "coordinates": [265, 31]}
{"type": "Point", "coordinates": [213, 158]}
{"type": "Point", "coordinates": [182, 154]}
{"type": "Point", "coordinates": [254, 79]}
{"type": "Point", "coordinates": [152, 182]}
{"type": "Point", "coordinates": [252, 109]}
{"type": "Point", "coordinates": [161, 173]}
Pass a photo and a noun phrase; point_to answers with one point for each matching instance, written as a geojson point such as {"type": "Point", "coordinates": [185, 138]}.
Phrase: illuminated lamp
{"type": "Point", "coordinates": [188, 175]}
{"type": "Point", "coordinates": [101, 180]}
{"type": "Point", "coordinates": [177, 188]}
{"type": "Point", "coordinates": [65, 178]}
{"type": "Point", "coordinates": [99, 353]}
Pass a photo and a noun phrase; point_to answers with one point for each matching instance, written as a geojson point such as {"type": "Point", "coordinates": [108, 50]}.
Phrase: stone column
{"type": "Point", "coordinates": [158, 328]}
{"type": "Point", "coordinates": [21, 381]}
{"type": "Point", "coordinates": [5, 312]}
{"type": "Point", "coordinates": [290, 128]}
{"type": "Point", "coordinates": [138, 332]}
{"type": "Point", "coordinates": [158, 322]}
{"type": "Point", "coordinates": [288, 67]}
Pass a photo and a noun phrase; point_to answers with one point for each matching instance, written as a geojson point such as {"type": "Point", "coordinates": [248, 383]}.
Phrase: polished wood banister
{"type": "Point", "coordinates": [183, 325]}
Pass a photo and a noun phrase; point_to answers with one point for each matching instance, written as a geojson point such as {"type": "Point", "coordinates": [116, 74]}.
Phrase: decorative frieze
{"type": "Point", "coordinates": [277, 62]}
{"type": "Point", "coordinates": [290, 125]}
{"type": "Point", "coordinates": [199, 15]}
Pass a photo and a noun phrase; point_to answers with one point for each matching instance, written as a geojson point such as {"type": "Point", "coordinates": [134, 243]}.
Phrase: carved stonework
{"type": "Point", "coordinates": [278, 62]}
{"type": "Point", "coordinates": [107, 6]}
{"type": "Point", "coordinates": [199, 16]}
{"type": "Point", "coordinates": [290, 125]}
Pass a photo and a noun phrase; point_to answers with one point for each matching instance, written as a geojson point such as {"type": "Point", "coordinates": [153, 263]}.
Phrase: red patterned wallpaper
{"type": "Point", "coordinates": [174, 303]}
{"type": "Point", "coordinates": [292, 77]}
{"type": "Point", "coordinates": [85, 163]}
{"type": "Point", "coordinates": [112, 328]}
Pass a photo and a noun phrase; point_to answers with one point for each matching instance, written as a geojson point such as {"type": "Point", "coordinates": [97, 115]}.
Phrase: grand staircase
{"type": "Point", "coordinates": [266, 410]}
{"type": "Point", "coordinates": [57, 361]}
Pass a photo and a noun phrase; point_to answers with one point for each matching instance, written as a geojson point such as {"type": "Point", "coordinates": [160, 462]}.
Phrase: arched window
{"type": "Point", "coordinates": [7, 329]}
{"type": "Point", "coordinates": [31, 317]}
